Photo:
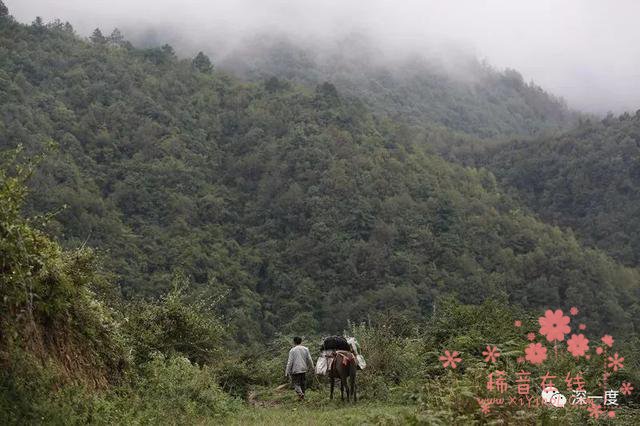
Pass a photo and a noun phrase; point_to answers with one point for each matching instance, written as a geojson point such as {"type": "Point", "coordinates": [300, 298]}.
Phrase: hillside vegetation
{"type": "Point", "coordinates": [71, 355]}
{"type": "Point", "coordinates": [299, 205]}
{"type": "Point", "coordinates": [587, 179]}
{"type": "Point", "coordinates": [165, 228]}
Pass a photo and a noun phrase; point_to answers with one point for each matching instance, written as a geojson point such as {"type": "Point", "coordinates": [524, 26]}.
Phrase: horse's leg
{"type": "Point", "coordinates": [346, 386]}
{"type": "Point", "coordinates": [333, 380]}
{"type": "Point", "coordinates": [342, 387]}
{"type": "Point", "coordinates": [345, 380]}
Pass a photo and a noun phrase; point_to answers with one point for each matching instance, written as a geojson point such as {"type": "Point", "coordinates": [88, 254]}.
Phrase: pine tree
{"type": "Point", "coordinates": [97, 37]}
{"type": "Point", "coordinates": [3, 10]}
{"type": "Point", "coordinates": [116, 37]}
{"type": "Point", "coordinates": [202, 63]}
{"type": "Point", "coordinates": [37, 23]}
{"type": "Point", "coordinates": [168, 50]}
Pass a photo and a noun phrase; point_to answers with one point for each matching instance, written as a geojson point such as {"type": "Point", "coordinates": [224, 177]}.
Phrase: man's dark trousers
{"type": "Point", "coordinates": [299, 383]}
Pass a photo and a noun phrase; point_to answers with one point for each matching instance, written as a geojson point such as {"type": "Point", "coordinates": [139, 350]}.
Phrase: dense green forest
{"type": "Point", "coordinates": [587, 179]}
{"type": "Point", "coordinates": [299, 205]}
{"type": "Point", "coordinates": [165, 225]}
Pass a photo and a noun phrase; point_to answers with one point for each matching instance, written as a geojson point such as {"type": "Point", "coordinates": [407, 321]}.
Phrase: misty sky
{"type": "Point", "coordinates": [587, 51]}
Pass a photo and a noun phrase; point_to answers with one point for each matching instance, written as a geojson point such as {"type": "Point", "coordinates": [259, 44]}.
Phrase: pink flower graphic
{"type": "Point", "coordinates": [491, 354]}
{"type": "Point", "coordinates": [450, 359]}
{"type": "Point", "coordinates": [626, 388]}
{"type": "Point", "coordinates": [595, 410]}
{"type": "Point", "coordinates": [599, 350]}
{"type": "Point", "coordinates": [582, 326]}
{"type": "Point", "coordinates": [554, 325]}
{"type": "Point", "coordinates": [574, 311]}
{"type": "Point", "coordinates": [615, 362]}
{"type": "Point", "coordinates": [588, 357]}
{"type": "Point", "coordinates": [520, 360]}
{"type": "Point", "coordinates": [531, 337]}
{"type": "Point", "coordinates": [607, 340]}
{"type": "Point", "coordinates": [485, 408]}
{"type": "Point", "coordinates": [611, 414]}
{"type": "Point", "coordinates": [578, 345]}
{"type": "Point", "coordinates": [535, 353]}
{"type": "Point", "coordinates": [517, 323]}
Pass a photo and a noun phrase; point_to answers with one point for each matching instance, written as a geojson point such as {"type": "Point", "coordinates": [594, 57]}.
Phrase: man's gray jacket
{"type": "Point", "coordinates": [299, 360]}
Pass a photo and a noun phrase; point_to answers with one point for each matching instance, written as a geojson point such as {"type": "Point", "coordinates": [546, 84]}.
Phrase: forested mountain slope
{"type": "Point", "coordinates": [300, 205]}
{"type": "Point", "coordinates": [451, 89]}
{"type": "Point", "coordinates": [587, 179]}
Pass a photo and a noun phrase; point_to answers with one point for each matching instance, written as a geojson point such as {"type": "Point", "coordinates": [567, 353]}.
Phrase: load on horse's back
{"type": "Point", "coordinates": [340, 359]}
{"type": "Point", "coordinates": [355, 348]}
{"type": "Point", "coordinates": [335, 343]}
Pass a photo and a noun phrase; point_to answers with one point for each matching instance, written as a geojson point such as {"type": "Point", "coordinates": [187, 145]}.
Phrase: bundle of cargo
{"type": "Point", "coordinates": [355, 348]}
{"type": "Point", "coordinates": [327, 349]}
{"type": "Point", "coordinates": [335, 343]}
{"type": "Point", "coordinates": [332, 344]}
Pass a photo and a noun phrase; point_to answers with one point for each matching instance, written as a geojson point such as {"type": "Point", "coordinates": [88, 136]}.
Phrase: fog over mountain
{"type": "Point", "coordinates": [583, 50]}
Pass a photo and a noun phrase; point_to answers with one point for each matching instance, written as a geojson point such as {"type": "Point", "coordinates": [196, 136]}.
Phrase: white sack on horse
{"type": "Point", "coordinates": [324, 363]}
{"type": "Point", "coordinates": [355, 348]}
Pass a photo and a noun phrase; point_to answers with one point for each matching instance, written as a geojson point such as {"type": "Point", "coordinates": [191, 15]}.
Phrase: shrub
{"type": "Point", "coordinates": [176, 326]}
{"type": "Point", "coordinates": [394, 361]}
{"type": "Point", "coordinates": [173, 388]}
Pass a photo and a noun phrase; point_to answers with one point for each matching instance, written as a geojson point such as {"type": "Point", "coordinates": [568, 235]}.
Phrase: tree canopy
{"type": "Point", "coordinates": [587, 179]}
{"type": "Point", "coordinates": [301, 205]}
{"type": "Point", "coordinates": [202, 63]}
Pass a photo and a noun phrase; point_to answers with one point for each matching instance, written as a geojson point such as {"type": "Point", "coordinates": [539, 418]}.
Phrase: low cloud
{"type": "Point", "coordinates": [586, 51]}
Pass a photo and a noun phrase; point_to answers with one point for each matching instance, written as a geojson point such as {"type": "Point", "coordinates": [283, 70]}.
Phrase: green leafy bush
{"type": "Point", "coordinates": [171, 388]}
{"type": "Point", "coordinates": [177, 324]}
{"type": "Point", "coordinates": [395, 363]}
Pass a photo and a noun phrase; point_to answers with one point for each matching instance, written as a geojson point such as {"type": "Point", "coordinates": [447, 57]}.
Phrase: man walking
{"type": "Point", "coordinates": [299, 362]}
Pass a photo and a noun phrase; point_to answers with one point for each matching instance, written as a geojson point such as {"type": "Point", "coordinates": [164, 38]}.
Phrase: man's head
{"type": "Point", "coordinates": [297, 340]}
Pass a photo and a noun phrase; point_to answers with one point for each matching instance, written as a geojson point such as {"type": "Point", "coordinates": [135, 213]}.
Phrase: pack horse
{"type": "Point", "coordinates": [340, 360]}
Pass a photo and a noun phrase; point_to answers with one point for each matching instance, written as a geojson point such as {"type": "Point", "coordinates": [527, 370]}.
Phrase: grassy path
{"type": "Point", "coordinates": [270, 407]}
{"type": "Point", "coordinates": [280, 407]}
{"type": "Point", "coordinates": [359, 414]}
